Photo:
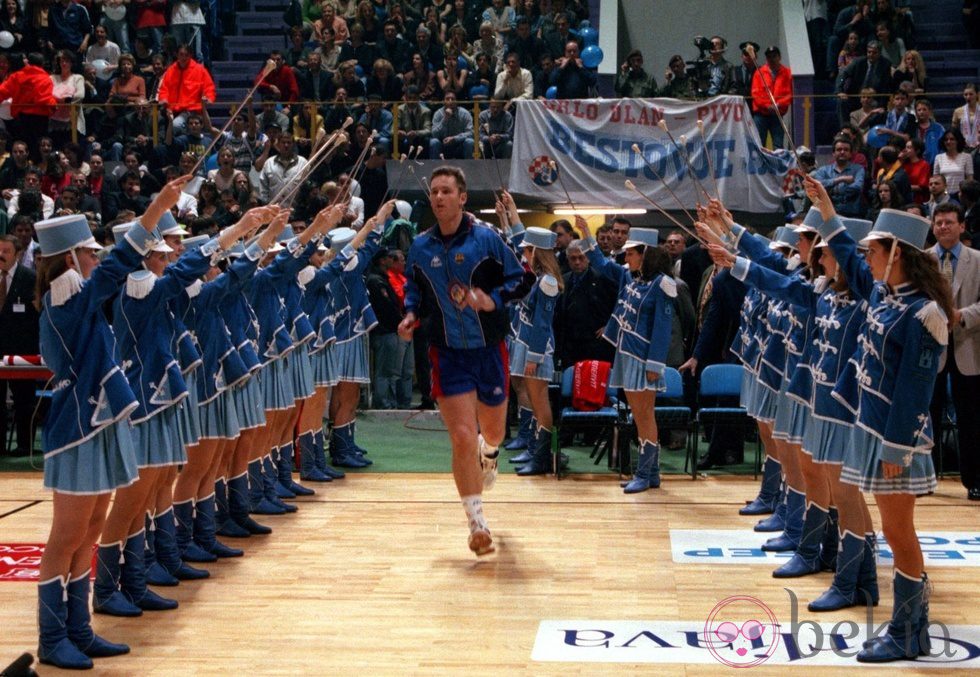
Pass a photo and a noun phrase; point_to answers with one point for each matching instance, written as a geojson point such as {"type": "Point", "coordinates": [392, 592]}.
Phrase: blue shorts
{"type": "Point", "coordinates": [484, 370]}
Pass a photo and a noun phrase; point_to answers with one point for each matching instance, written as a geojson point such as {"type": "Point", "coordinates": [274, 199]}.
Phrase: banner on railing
{"type": "Point", "coordinates": [586, 148]}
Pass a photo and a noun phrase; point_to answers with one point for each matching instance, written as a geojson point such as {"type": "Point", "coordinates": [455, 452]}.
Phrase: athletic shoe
{"type": "Point", "coordinates": [481, 543]}
{"type": "Point", "coordinates": [488, 462]}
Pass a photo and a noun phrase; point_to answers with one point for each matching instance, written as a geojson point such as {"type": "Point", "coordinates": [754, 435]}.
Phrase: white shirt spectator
{"type": "Point", "coordinates": [47, 205]}
{"type": "Point", "coordinates": [520, 86]}
{"type": "Point", "coordinates": [275, 173]}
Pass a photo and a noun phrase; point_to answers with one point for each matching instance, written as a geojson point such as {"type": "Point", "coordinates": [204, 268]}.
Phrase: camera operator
{"type": "Point", "coordinates": [680, 85]}
{"type": "Point", "coordinates": [714, 73]}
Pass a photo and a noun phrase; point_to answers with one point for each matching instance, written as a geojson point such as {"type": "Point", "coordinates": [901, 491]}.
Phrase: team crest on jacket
{"type": "Point", "coordinates": [542, 172]}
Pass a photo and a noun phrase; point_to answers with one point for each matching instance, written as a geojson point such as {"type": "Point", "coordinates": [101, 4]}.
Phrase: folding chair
{"type": "Point", "coordinates": [721, 380]}
{"type": "Point", "coordinates": [607, 417]}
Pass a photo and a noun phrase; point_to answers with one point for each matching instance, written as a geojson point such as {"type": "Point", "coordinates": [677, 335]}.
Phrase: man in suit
{"type": "Point", "coordinates": [315, 83]}
{"type": "Point", "coordinates": [871, 71]}
{"type": "Point", "coordinates": [961, 362]}
{"type": "Point", "coordinates": [582, 311]}
{"type": "Point", "coordinates": [19, 336]}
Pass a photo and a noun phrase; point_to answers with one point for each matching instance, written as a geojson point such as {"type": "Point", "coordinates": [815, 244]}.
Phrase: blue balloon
{"type": "Point", "coordinates": [479, 91]}
{"type": "Point", "coordinates": [592, 56]}
{"type": "Point", "coordinates": [551, 93]}
{"type": "Point", "coordinates": [462, 63]}
{"type": "Point", "coordinates": [359, 71]}
{"type": "Point", "coordinates": [589, 35]}
{"type": "Point", "coordinates": [211, 162]}
{"type": "Point", "coordinates": [876, 139]}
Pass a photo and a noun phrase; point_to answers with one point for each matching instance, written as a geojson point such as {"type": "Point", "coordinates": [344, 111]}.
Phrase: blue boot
{"type": "Point", "coordinates": [205, 531]}
{"type": "Point", "coordinates": [342, 451]}
{"type": "Point", "coordinates": [867, 584]}
{"type": "Point", "coordinates": [765, 502]}
{"type": "Point", "coordinates": [271, 487]}
{"type": "Point", "coordinates": [831, 541]}
{"type": "Point", "coordinates": [777, 520]}
{"type": "Point", "coordinates": [286, 459]}
{"type": "Point", "coordinates": [258, 504]}
{"type": "Point", "coordinates": [108, 598]}
{"type": "Point", "coordinates": [189, 550]}
{"type": "Point", "coordinates": [647, 473]}
{"type": "Point", "coordinates": [922, 627]}
{"type": "Point", "coordinates": [540, 463]}
{"type": "Point", "coordinates": [132, 578]}
{"type": "Point", "coordinates": [156, 574]}
{"type": "Point", "coordinates": [238, 506]}
{"type": "Point", "coordinates": [528, 453]}
{"type": "Point", "coordinates": [843, 592]}
{"type": "Point", "coordinates": [54, 647]}
{"type": "Point", "coordinates": [226, 527]}
{"type": "Point", "coordinates": [79, 623]}
{"type": "Point", "coordinates": [282, 491]}
{"type": "Point", "coordinates": [790, 538]}
{"type": "Point", "coordinates": [806, 559]}
{"type": "Point", "coordinates": [524, 430]}
{"type": "Point", "coordinates": [167, 552]}
{"type": "Point", "coordinates": [309, 470]}
{"type": "Point", "coordinates": [901, 640]}
{"type": "Point", "coordinates": [320, 454]}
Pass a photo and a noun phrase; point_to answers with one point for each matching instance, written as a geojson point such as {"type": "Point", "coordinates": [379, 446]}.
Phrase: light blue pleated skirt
{"type": "Point", "coordinates": [747, 392]}
{"type": "Point", "coordinates": [324, 368]}
{"type": "Point", "coordinates": [862, 467]}
{"type": "Point", "coordinates": [247, 399]}
{"type": "Point", "coordinates": [158, 441]}
{"type": "Point", "coordinates": [351, 360]}
{"type": "Point", "coordinates": [630, 373]}
{"type": "Point", "coordinates": [791, 419]}
{"type": "Point", "coordinates": [105, 462]}
{"type": "Point", "coordinates": [301, 367]}
{"type": "Point", "coordinates": [518, 361]}
{"type": "Point", "coordinates": [218, 418]}
{"type": "Point", "coordinates": [277, 386]}
{"type": "Point", "coordinates": [188, 421]}
{"type": "Point", "coordinates": [826, 441]}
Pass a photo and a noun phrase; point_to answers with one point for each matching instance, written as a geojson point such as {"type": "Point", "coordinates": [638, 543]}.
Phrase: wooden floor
{"type": "Point", "coordinates": [373, 577]}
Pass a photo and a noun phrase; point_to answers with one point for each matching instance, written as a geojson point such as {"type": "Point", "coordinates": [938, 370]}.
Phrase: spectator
{"type": "Point", "coordinates": [131, 197]}
{"type": "Point", "coordinates": [675, 245]}
{"type": "Point", "coordinates": [452, 78]}
{"type": "Point", "coordinates": [887, 196]}
{"type": "Point", "coordinates": [620, 231]}
{"type": "Point", "coordinates": [458, 44]}
{"type": "Point", "coordinates": [582, 311]}
{"type": "Point", "coordinates": [187, 26]}
{"type": "Point", "coordinates": [70, 27]}
{"type": "Point", "coordinates": [346, 77]}
{"type": "Point", "coordinates": [280, 84]}
{"type": "Point", "coordinates": [226, 173]}
{"type": "Point", "coordinates": [772, 81]}
{"type": "Point", "coordinates": [193, 141]}
{"type": "Point", "coordinates": [103, 50]}
{"type": "Point", "coordinates": [385, 351]}
{"type": "Point", "coordinates": [383, 83]}
{"type": "Point", "coordinates": [31, 183]}
{"type": "Point", "coordinates": [542, 78]}
{"type": "Point", "coordinates": [281, 169]}
{"type": "Point", "coordinates": [717, 75]}
{"type": "Point", "coordinates": [436, 27]}
{"type": "Point", "coordinates": [186, 87]}
{"type": "Point", "coordinates": [22, 227]}
{"type": "Point", "coordinates": [394, 48]}
{"type": "Point", "coordinates": [953, 164]}
{"type": "Point", "coordinates": [850, 52]}
{"type": "Point", "coordinates": [481, 80]}
{"type": "Point", "coordinates": [892, 48]}
{"type": "Point", "coordinates": [134, 130]}
{"type": "Point", "coordinates": [67, 88]}
{"type": "Point", "coordinates": [513, 82]}
{"type": "Point", "coordinates": [151, 20]}
{"type": "Point", "coordinates": [917, 169]}
{"type": "Point", "coordinates": [911, 70]}
{"type": "Point", "coordinates": [307, 128]}
{"type": "Point", "coordinates": [564, 234]}
{"type": "Point", "coordinates": [13, 21]}
{"type": "Point", "coordinates": [338, 112]}
{"type": "Point", "coordinates": [872, 70]}
{"type": "Point", "coordinates": [604, 239]}
{"type": "Point", "coordinates": [501, 17]}
{"type": "Point", "coordinates": [87, 203]}
{"type": "Point", "coordinates": [30, 90]}
{"type": "Point", "coordinates": [315, 82]}
{"type": "Point", "coordinates": [815, 15]}
{"type": "Point", "coordinates": [743, 73]}
{"type": "Point", "coordinates": [406, 362]}
{"type": "Point", "coordinates": [969, 196]}
{"type": "Point", "coordinates": [55, 177]}
{"type": "Point", "coordinates": [496, 131]}
{"type": "Point", "coordinates": [572, 79]}
{"type": "Point", "coordinates": [870, 113]}
{"type": "Point", "coordinates": [158, 67]}
{"type": "Point", "coordinates": [853, 19]}
{"type": "Point", "coordinates": [420, 77]}
{"type": "Point", "coordinates": [678, 84]}
{"type": "Point", "coordinates": [899, 123]}
{"type": "Point", "coordinates": [19, 318]}
{"type": "Point", "coordinates": [298, 51]}
{"type": "Point", "coordinates": [378, 120]}
{"type": "Point", "coordinates": [928, 130]}
{"type": "Point", "coordinates": [127, 86]}
{"type": "Point", "coordinates": [329, 19]}
{"type": "Point", "coordinates": [425, 46]}
{"type": "Point", "coordinates": [843, 180]}
{"type": "Point", "coordinates": [965, 118]}
{"type": "Point", "coordinates": [452, 131]}
{"type": "Point", "coordinates": [525, 44]}
{"type": "Point", "coordinates": [414, 124]}
{"type": "Point", "coordinates": [460, 16]}
{"type": "Point", "coordinates": [632, 82]}
{"type": "Point", "coordinates": [490, 44]}
{"type": "Point", "coordinates": [350, 189]}
{"type": "Point", "coordinates": [556, 41]}
{"type": "Point", "coordinates": [937, 194]}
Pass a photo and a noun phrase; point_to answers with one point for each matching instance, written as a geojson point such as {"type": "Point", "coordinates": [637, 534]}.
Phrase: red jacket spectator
{"type": "Point", "coordinates": [781, 86]}
{"type": "Point", "coordinates": [279, 85]}
{"type": "Point", "coordinates": [185, 83]}
{"type": "Point", "coordinates": [31, 90]}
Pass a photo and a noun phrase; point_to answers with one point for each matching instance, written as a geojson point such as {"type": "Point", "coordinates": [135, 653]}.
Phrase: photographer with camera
{"type": "Point", "coordinates": [680, 85]}
{"type": "Point", "coordinates": [714, 73]}
{"type": "Point", "coordinates": [632, 82]}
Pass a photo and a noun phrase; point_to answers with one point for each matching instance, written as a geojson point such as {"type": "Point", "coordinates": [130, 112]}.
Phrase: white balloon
{"type": "Point", "coordinates": [115, 12]}
{"type": "Point", "coordinates": [6, 39]}
{"type": "Point", "coordinates": [100, 65]}
{"type": "Point", "coordinates": [403, 209]}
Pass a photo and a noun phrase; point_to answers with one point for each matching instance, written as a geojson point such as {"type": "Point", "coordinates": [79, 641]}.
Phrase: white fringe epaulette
{"type": "Point", "coordinates": [305, 276]}
{"type": "Point", "coordinates": [669, 286]}
{"type": "Point", "coordinates": [194, 288]}
{"type": "Point", "coordinates": [935, 321]}
{"type": "Point", "coordinates": [793, 262]}
{"type": "Point", "coordinates": [549, 285]}
{"type": "Point", "coordinates": [140, 283]}
{"type": "Point", "coordinates": [65, 286]}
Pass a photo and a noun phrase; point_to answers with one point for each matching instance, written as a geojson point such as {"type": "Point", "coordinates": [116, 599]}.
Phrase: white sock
{"type": "Point", "coordinates": [473, 505]}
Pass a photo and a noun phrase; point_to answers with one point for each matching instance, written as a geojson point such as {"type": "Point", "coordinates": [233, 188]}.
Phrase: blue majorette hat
{"type": "Point", "coordinates": [811, 222]}
{"type": "Point", "coordinates": [167, 225]}
{"type": "Point", "coordinates": [341, 237]}
{"type": "Point", "coordinates": [901, 226]}
{"type": "Point", "coordinates": [642, 237]}
{"type": "Point", "coordinates": [785, 236]}
{"type": "Point", "coordinates": [542, 238]}
{"type": "Point", "coordinates": [858, 229]}
{"type": "Point", "coordinates": [64, 233]}
{"type": "Point", "coordinates": [157, 245]}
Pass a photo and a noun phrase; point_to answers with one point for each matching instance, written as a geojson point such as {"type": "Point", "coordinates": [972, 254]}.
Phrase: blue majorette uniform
{"type": "Point", "coordinates": [189, 356]}
{"type": "Point", "coordinates": [318, 306]}
{"type": "Point", "coordinates": [353, 316]}
{"type": "Point", "coordinates": [301, 331]}
{"type": "Point", "coordinates": [274, 341]}
{"type": "Point", "coordinates": [640, 326]}
{"type": "Point", "coordinates": [145, 331]}
{"type": "Point", "coordinates": [88, 447]}
{"type": "Point", "coordinates": [243, 327]}
{"type": "Point", "coordinates": [899, 348]}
